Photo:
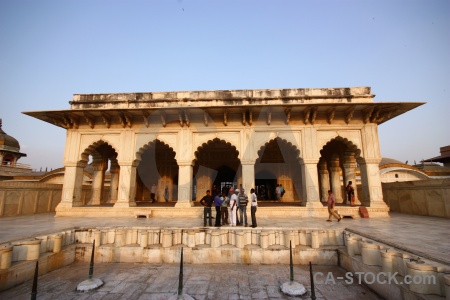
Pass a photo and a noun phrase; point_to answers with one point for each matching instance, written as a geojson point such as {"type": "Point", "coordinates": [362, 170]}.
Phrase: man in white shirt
{"type": "Point", "coordinates": [254, 206]}
{"type": "Point", "coordinates": [233, 207]}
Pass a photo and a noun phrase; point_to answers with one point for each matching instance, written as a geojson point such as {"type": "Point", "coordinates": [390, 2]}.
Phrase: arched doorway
{"type": "Point", "coordinates": [102, 164]}
{"type": "Point", "coordinates": [278, 164]}
{"type": "Point", "coordinates": [157, 170]}
{"type": "Point", "coordinates": [215, 167]}
{"type": "Point", "coordinates": [337, 166]}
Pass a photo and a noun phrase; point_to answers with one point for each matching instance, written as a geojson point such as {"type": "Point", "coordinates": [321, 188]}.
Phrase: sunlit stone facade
{"type": "Point", "coordinates": [307, 140]}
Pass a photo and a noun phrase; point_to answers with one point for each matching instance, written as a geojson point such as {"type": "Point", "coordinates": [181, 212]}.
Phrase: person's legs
{"type": "Point", "coordinates": [217, 216]}
{"type": "Point", "coordinates": [210, 216]}
{"type": "Point", "coordinates": [233, 216]}
{"type": "Point", "coordinates": [253, 212]}
{"type": "Point", "coordinates": [205, 212]}
{"type": "Point", "coordinates": [240, 216]}
{"type": "Point", "coordinates": [245, 215]}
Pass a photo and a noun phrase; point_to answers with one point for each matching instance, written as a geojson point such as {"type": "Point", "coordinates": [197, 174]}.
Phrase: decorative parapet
{"type": "Point", "coordinates": [394, 269]}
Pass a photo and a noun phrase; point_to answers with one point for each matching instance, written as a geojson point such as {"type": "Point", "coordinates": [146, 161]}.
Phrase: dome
{"type": "Point", "coordinates": [7, 142]}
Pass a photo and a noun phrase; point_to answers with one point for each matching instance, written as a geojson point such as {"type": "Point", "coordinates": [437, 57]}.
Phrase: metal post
{"type": "Point", "coordinates": [35, 279]}
{"type": "Point", "coordinates": [91, 266]}
{"type": "Point", "coordinates": [291, 264]}
{"type": "Point", "coordinates": [313, 293]}
{"type": "Point", "coordinates": [180, 279]}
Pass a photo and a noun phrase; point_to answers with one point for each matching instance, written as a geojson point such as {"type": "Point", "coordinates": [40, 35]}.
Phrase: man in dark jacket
{"type": "Point", "coordinates": [207, 201]}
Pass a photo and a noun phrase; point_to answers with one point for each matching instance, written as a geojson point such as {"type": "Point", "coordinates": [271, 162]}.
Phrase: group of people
{"type": "Point", "coordinates": [227, 207]}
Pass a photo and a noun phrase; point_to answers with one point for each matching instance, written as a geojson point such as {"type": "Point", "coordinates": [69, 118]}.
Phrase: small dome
{"type": "Point", "coordinates": [388, 161]}
{"type": "Point", "coordinates": [7, 142]}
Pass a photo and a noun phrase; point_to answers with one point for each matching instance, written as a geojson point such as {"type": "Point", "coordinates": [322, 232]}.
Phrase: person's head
{"type": "Point", "coordinates": [252, 191]}
{"type": "Point", "coordinates": [349, 183]}
{"type": "Point", "coordinates": [208, 192]}
{"type": "Point", "coordinates": [329, 192]}
{"type": "Point", "coordinates": [236, 191]}
{"type": "Point", "coordinates": [224, 194]}
{"type": "Point", "coordinates": [242, 191]}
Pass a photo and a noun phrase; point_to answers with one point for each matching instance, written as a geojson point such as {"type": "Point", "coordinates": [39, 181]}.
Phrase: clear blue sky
{"type": "Point", "coordinates": [50, 50]}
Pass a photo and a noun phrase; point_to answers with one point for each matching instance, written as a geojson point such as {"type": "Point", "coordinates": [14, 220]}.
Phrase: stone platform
{"type": "Point", "coordinates": [169, 210]}
{"type": "Point", "coordinates": [62, 241]}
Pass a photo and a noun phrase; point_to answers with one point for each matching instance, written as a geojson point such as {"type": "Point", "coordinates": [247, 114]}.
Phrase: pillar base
{"type": "Point", "coordinates": [184, 204]}
{"type": "Point", "coordinates": [315, 204]}
{"type": "Point", "coordinates": [124, 204]}
{"type": "Point", "coordinates": [378, 204]}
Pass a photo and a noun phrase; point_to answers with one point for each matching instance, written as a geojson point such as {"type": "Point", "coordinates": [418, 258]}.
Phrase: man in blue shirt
{"type": "Point", "coordinates": [217, 202]}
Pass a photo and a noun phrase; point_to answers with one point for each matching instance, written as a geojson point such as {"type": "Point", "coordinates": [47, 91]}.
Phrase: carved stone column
{"type": "Point", "coordinates": [324, 180]}
{"type": "Point", "coordinates": [311, 178]}
{"type": "Point", "coordinates": [99, 166]}
{"type": "Point", "coordinates": [127, 184]}
{"type": "Point", "coordinates": [335, 178]}
{"type": "Point", "coordinates": [370, 175]}
{"type": "Point", "coordinates": [185, 174]}
{"type": "Point", "coordinates": [350, 174]}
{"type": "Point", "coordinates": [114, 183]}
{"type": "Point", "coordinates": [248, 176]}
{"type": "Point", "coordinates": [73, 183]}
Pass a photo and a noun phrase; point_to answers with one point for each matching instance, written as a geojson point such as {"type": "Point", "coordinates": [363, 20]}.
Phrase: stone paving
{"type": "Point", "coordinates": [418, 234]}
{"type": "Point", "coordinates": [147, 281]}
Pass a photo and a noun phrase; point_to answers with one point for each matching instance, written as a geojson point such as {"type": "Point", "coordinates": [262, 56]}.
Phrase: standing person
{"type": "Point", "coordinates": [233, 207]}
{"type": "Point", "coordinates": [331, 212]}
{"type": "Point", "coordinates": [350, 193]}
{"type": "Point", "coordinates": [281, 192]}
{"type": "Point", "coordinates": [254, 206]}
{"type": "Point", "coordinates": [153, 192]}
{"type": "Point", "coordinates": [207, 201]}
{"type": "Point", "coordinates": [278, 192]}
{"type": "Point", "coordinates": [166, 194]}
{"type": "Point", "coordinates": [243, 200]}
{"type": "Point", "coordinates": [224, 208]}
{"type": "Point", "coordinates": [217, 203]}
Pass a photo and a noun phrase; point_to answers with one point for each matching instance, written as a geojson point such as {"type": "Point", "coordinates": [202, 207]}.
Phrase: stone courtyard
{"type": "Point", "coordinates": [142, 281]}
{"type": "Point", "coordinates": [425, 237]}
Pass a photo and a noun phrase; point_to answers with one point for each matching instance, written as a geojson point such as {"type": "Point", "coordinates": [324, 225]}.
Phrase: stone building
{"type": "Point", "coordinates": [9, 155]}
{"type": "Point", "coordinates": [187, 142]}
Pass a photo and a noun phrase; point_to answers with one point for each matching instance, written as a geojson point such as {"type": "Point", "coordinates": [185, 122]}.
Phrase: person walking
{"type": "Point", "coordinates": [331, 212]}
{"type": "Point", "coordinates": [253, 207]}
{"type": "Point", "coordinates": [243, 201]}
{"type": "Point", "coordinates": [207, 202]}
{"type": "Point", "coordinates": [224, 208]}
{"type": "Point", "coordinates": [217, 203]}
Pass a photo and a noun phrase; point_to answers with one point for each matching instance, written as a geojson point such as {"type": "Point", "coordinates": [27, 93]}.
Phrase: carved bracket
{"type": "Point", "coordinates": [330, 114]}
{"type": "Point", "coordinates": [106, 119]}
{"type": "Point", "coordinates": [90, 119]}
{"type": "Point", "coordinates": [349, 114]}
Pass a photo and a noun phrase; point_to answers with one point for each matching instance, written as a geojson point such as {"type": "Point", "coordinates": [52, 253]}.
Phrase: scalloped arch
{"type": "Point", "coordinates": [278, 139]}
{"type": "Point", "coordinates": [92, 149]}
{"type": "Point", "coordinates": [202, 146]}
{"type": "Point", "coordinates": [148, 146]}
{"type": "Point", "coordinates": [350, 145]}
